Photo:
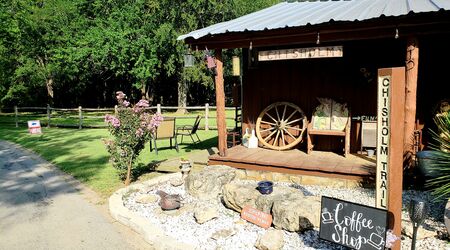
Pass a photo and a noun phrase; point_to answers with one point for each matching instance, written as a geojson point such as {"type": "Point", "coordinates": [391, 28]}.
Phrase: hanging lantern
{"type": "Point", "coordinates": [236, 66]}
{"type": "Point", "coordinates": [188, 60]}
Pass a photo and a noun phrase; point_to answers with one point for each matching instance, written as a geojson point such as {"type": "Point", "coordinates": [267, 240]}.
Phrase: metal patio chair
{"type": "Point", "coordinates": [189, 130]}
{"type": "Point", "coordinates": [166, 130]}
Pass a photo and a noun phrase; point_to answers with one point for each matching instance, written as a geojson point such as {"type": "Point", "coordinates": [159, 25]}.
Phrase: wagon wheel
{"type": "Point", "coordinates": [281, 125]}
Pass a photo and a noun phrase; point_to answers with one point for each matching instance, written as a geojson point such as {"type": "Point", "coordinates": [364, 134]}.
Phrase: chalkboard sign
{"type": "Point", "coordinates": [352, 225]}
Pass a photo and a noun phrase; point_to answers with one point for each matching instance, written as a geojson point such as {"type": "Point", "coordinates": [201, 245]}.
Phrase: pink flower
{"type": "Point", "coordinates": [126, 103]}
{"type": "Point", "coordinates": [120, 96]}
{"type": "Point", "coordinates": [139, 132]}
{"type": "Point", "coordinates": [155, 122]}
{"type": "Point", "coordinates": [143, 103]}
{"type": "Point", "coordinates": [113, 120]}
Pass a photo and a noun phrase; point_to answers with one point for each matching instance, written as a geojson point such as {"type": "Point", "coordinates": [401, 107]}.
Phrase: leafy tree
{"type": "Point", "coordinates": [78, 52]}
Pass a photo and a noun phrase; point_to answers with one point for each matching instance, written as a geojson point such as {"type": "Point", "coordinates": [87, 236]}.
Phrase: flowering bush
{"type": "Point", "coordinates": [131, 127]}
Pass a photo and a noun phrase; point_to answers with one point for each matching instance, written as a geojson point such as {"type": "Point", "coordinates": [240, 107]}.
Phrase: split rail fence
{"type": "Point", "coordinates": [94, 117]}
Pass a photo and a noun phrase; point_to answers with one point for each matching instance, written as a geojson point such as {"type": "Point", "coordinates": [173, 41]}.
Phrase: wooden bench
{"type": "Point", "coordinates": [311, 132]}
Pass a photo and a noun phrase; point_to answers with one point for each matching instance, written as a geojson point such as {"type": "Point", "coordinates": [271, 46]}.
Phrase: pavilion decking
{"type": "Point", "coordinates": [318, 163]}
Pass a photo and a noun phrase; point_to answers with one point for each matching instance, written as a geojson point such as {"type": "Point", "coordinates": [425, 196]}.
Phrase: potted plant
{"type": "Point", "coordinates": [438, 163]}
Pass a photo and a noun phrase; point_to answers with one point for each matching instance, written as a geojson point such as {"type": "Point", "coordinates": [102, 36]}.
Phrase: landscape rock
{"type": "Point", "coordinates": [208, 183]}
{"type": "Point", "coordinates": [146, 198]}
{"type": "Point", "coordinates": [237, 194]}
{"type": "Point", "coordinates": [223, 234]}
{"type": "Point", "coordinates": [147, 188]}
{"type": "Point", "coordinates": [280, 193]}
{"type": "Point", "coordinates": [204, 213]}
{"type": "Point", "coordinates": [273, 239]}
{"type": "Point", "coordinates": [296, 213]}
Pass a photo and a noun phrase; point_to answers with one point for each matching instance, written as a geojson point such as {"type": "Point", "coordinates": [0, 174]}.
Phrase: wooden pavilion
{"type": "Point", "coordinates": [366, 35]}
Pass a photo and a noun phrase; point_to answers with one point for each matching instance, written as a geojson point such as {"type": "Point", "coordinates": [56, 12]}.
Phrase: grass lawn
{"type": "Point", "coordinates": [82, 154]}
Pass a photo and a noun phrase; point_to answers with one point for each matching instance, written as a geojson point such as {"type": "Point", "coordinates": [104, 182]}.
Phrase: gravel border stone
{"type": "Point", "coordinates": [152, 234]}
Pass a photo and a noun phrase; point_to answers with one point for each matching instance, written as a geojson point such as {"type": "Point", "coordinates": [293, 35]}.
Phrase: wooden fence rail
{"type": "Point", "coordinates": [81, 114]}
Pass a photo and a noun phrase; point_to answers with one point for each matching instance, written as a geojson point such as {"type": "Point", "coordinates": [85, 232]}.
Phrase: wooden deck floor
{"type": "Point", "coordinates": [323, 164]}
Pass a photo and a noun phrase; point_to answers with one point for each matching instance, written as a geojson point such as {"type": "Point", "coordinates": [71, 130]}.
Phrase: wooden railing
{"type": "Point", "coordinates": [77, 117]}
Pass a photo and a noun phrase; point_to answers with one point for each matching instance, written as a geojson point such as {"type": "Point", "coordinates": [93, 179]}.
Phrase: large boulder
{"type": "Point", "coordinates": [279, 194]}
{"type": "Point", "coordinates": [297, 213]}
{"type": "Point", "coordinates": [238, 194]}
{"type": "Point", "coordinates": [208, 183]}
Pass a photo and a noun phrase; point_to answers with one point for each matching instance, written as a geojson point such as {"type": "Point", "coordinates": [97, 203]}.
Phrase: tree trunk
{"type": "Point", "coordinates": [182, 97]}
{"type": "Point", "coordinates": [128, 179]}
{"type": "Point", "coordinates": [49, 83]}
{"type": "Point", "coordinates": [145, 89]}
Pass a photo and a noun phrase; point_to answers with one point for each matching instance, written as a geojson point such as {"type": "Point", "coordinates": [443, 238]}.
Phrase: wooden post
{"type": "Point", "coordinates": [412, 63]}
{"type": "Point", "coordinates": [390, 128]}
{"type": "Point", "coordinates": [49, 116]}
{"type": "Point", "coordinates": [206, 117]}
{"type": "Point", "coordinates": [158, 108]}
{"type": "Point", "coordinates": [220, 105]}
{"type": "Point", "coordinates": [16, 112]}
{"type": "Point", "coordinates": [80, 116]}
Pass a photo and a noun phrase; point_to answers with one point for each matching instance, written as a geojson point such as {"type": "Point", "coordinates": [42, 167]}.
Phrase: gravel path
{"type": "Point", "coordinates": [182, 226]}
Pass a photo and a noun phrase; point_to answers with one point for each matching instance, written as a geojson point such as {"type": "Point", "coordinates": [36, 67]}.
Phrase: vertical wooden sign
{"type": "Point", "coordinates": [390, 134]}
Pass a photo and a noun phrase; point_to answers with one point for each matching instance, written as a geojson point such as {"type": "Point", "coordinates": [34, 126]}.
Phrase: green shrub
{"type": "Point", "coordinates": [130, 128]}
{"type": "Point", "coordinates": [439, 162]}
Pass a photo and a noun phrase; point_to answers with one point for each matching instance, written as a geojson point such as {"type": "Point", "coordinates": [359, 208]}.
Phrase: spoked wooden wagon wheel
{"type": "Point", "coordinates": [281, 125]}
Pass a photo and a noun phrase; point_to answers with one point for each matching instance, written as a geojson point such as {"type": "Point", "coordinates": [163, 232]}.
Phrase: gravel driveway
{"type": "Point", "coordinates": [43, 208]}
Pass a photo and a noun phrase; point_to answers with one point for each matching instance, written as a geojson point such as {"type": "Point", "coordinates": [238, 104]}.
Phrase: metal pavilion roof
{"type": "Point", "coordinates": [300, 13]}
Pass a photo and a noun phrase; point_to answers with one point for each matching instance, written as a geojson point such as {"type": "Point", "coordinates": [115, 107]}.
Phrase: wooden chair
{"type": "Point", "coordinates": [190, 130]}
{"type": "Point", "coordinates": [166, 130]}
{"type": "Point", "coordinates": [314, 131]}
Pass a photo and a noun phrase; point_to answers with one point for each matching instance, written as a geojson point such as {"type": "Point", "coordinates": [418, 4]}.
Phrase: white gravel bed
{"type": "Point", "coordinates": [184, 228]}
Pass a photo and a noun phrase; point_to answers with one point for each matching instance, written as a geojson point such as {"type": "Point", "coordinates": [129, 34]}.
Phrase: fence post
{"type": "Point", "coordinates": [16, 112]}
{"type": "Point", "coordinates": [80, 115]}
{"type": "Point", "coordinates": [115, 110]}
{"type": "Point", "coordinates": [48, 116]}
{"type": "Point", "coordinates": [206, 117]}
{"type": "Point", "coordinates": [158, 108]}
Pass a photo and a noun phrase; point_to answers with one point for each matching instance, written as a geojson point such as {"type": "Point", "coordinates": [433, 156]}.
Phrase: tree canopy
{"type": "Point", "coordinates": [79, 52]}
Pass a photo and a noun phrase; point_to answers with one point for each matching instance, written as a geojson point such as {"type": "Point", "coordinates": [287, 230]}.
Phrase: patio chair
{"type": "Point", "coordinates": [189, 130]}
{"type": "Point", "coordinates": [166, 130]}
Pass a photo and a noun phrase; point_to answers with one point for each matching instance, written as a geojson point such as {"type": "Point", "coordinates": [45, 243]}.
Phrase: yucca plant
{"type": "Point", "coordinates": [439, 162]}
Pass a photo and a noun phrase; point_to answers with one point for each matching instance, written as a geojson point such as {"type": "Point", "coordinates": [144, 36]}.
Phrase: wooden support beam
{"type": "Point", "coordinates": [390, 142]}
{"type": "Point", "coordinates": [220, 104]}
{"type": "Point", "coordinates": [412, 64]}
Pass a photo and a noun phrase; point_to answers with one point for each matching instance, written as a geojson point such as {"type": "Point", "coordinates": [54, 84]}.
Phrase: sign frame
{"type": "Point", "coordinates": [301, 53]}
{"type": "Point", "coordinates": [380, 230]}
{"type": "Point", "coordinates": [34, 127]}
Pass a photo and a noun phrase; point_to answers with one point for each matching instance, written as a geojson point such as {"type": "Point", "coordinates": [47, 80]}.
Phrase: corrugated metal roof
{"type": "Point", "coordinates": [300, 13]}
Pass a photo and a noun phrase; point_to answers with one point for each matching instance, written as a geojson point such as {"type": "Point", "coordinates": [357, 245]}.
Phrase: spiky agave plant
{"type": "Point", "coordinates": [439, 162]}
